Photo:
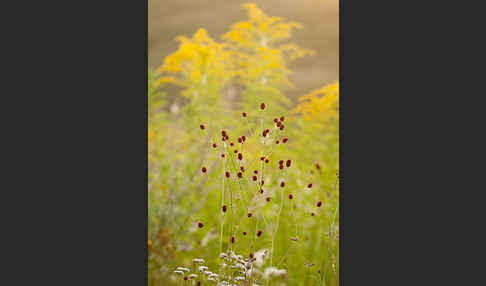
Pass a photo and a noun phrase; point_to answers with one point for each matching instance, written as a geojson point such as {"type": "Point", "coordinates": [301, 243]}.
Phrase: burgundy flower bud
{"type": "Point", "coordinates": [231, 143]}
{"type": "Point", "coordinates": [224, 208]}
{"type": "Point", "coordinates": [288, 163]}
{"type": "Point", "coordinates": [243, 137]}
{"type": "Point", "coordinates": [312, 214]}
{"type": "Point", "coordinates": [198, 283]}
{"type": "Point", "coordinates": [240, 174]}
{"type": "Point", "coordinates": [242, 168]}
{"type": "Point", "coordinates": [222, 155]}
{"type": "Point", "coordinates": [185, 278]}
{"type": "Point", "coordinates": [285, 140]}
{"type": "Point", "coordinates": [236, 151]}
{"type": "Point", "coordinates": [262, 158]}
{"type": "Point", "coordinates": [244, 233]}
{"type": "Point", "coordinates": [319, 204]}
{"type": "Point", "coordinates": [282, 184]}
{"type": "Point", "coordinates": [249, 214]}
{"type": "Point", "coordinates": [261, 191]}
{"type": "Point", "coordinates": [267, 131]}
{"type": "Point", "coordinates": [282, 118]}
{"type": "Point", "coordinates": [290, 196]}
{"type": "Point", "coordinates": [309, 185]}
{"type": "Point", "coordinates": [223, 133]}
{"type": "Point", "coordinates": [281, 167]}
{"type": "Point", "coordinates": [280, 162]}
{"type": "Point", "coordinates": [201, 126]}
{"type": "Point", "coordinates": [317, 166]}
{"type": "Point", "coordinates": [244, 114]}
{"type": "Point", "coordinates": [275, 120]}
{"type": "Point", "coordinates": [254, 178]}
{"type": "Point", "coordinates": [259, 233]}
{"type": "Point", "coordinates": [279, 124]}
{"type": "Point", "coordinates": [240, 156]}
{"type": "Point", "coordinates": [268, 199]}
{"type": "Point", "coordinates": [255, 172]}
{"type": "Point", "coordinates": [203, 169]}
{"type": "Point", "coordinates": [200, 224]}
{"type": "Point", "coordinates": [266, 160]}
{"type": "Point", "coordinates": [240, 140]}
{"type": "Point", "coordinates": [282, 127]}
{"type": "Point", "coordinates": [232, 239]}
{"type": "Point", "coordinates": [263, 182]}
{"type": "Point", "coordinates": [264, 134]}
{"type": "Point", "coordinates": [227, 174]}
{"type": "Point", "coordinates": [276, 142]}
{"type": "Point", "coordinates": [226, 137]}
{"type": "Point", "coordinates": [214, 145]}
{"type": "Point", "coordinates": [262, 106]}
{"type": "Point", "coordinates": [251, 255]}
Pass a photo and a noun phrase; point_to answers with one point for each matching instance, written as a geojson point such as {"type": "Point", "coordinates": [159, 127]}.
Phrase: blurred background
{"type": "Point", "coordinates": [320, 18]}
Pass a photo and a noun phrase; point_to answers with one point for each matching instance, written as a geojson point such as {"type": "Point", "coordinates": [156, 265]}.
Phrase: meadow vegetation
{"type": "Point", "coordinates": [243, 184]}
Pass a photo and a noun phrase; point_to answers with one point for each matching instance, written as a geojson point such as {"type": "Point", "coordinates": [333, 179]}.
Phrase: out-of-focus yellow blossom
{"type": "Point", "coordinates": [198, 61]}
{"type": "Point", "coordinates": [256, 50]}
{"type": "Point", "coordinates": [321, 109]}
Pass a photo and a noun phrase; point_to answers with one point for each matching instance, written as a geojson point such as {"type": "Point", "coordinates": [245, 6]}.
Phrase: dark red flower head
{"type": "Point", "coordinates": [203, 169]}
{"type": "Point", "coordinates": [275, 120]}
{"type": "Point", "coordinates": [259, 233]}
{"type": "Point", "coordinates": [236, 151]}
{"type": "Point", "coordinates": [266, 160]}
{"type": "Point", "coordinates": [240, 174]}
{"type": "Point", "coordinates": [240, 140]}
{"type": "Point", "coordinates": [244, 233]}
{"type": "Point", "coordinates": [224, 208]}
{"type": "Point", "coordinates": [263, 182]}
{"type": "Point", "coordinates": [249, 214]}
{"type": "Point", "coordinates": [282, 184]}
{"type": "Point", "coordinates": [262, 106]}
{"type": "Point", "coordinates": [288, 163]}
{"type": "Point", "coordinates": [280, 162]}
{"type": "Point", "coordinates": [223, 133]}
{"type": "Point", "coordinates": [261, 191]}
{"type": "Point", "coordinates": [309, 185]}
{"type": "Point", "coordinates": [240, 156]}
{"type": "Point", "coordinates": [185, 278]}
{"type": "Point", "coordinates": [251, 255]}
{"type": "Point", "coordinates": [214, 145]}
{"type": "Point", "coordinates": [244, 114]}
{"type": "Point", "coordinates": [285, 140]}
{"type": "Point", "coordinates": [264, 134]}
{"type": "Point", "coordinates": [279, 124]}
{"type": "Point", "coordinates": [254, 178]}
{"type": "Point", "coordinates": [290, 196]}
{"type": "Point", "coordinates": [319, 204]}
{"type": "Point", "coordinates": [231, 143]}
{"type": "Point", "coordinates": [282, 118]}
{"type": "Point", "coordinates": [276, 142]}
{"type": "Point", "coordinates": [281, 167]}
{"type": "Point", "coordinates": [282, 127]}
{"type": "Point", "coordinates": [200, 224]}
{"type": "Point", "coordinates": [242, 168]}
{"type": "Point", "coordinates": [198, 283]}
{"type": "Point", "coordinates": [312, 214]}
{"type": "Point", "coordinates": [232, 239]}
{"type": "Point", "coordinates": [222, 155]}
{"type": "Point", "coordinates": [243, 137]}
{"type": "Point", "coordinates": [227, 174]}
{"type": "Point", "coordinates": [255, 172]}
{"type": "Point", "coordinates": [262, 158]}
{"type": "Point", "coordinates": [268, 199]}
{"type": "Point", "coordinates": [201, 126]}
{"type": "Point", "coordinates": [317, 166]}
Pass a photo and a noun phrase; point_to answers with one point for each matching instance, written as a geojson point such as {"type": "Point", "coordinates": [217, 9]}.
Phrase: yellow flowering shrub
{"type": "Point", "coordinates": [320, 105]}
